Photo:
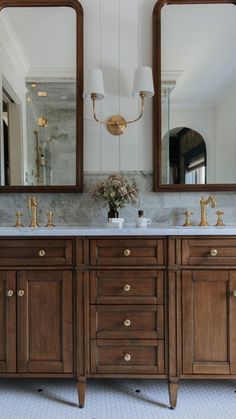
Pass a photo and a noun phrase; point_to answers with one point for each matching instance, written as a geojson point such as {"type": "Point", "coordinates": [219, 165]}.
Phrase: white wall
{"type": "Point", "coordinates": [117, 39]}
{"type": "Point", "coordinates": [226, 138]}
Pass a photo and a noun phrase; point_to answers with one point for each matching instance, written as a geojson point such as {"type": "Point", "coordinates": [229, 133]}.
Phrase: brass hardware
{"type": "Point", "coordinates": [234, 293]}
{"type": "Point", "coordinates": [127, 323]}
{"type": "Point", "coordinates": [117, 124]}
{"type": "Point", "coordinates": [187, 222]}
{"type": "Point", "coordinates": [127, 357]}
{"type": "Point", "coordinates": [20, 293]}
{"type": "Point", "coordinates": [9, 293]}
{"type": "Point", "coordinates": [50, 220]}
{"type": "Point", "coordinates": [41, 253]}
{"type": "Point", "coordinates": [42, 121]}
{"type": "Point", "coordinates": [219, 222]}
{"type": "Point", "coordinates": [214, 252]}
{"type": "Point", "coordinates": [127, 252]}
{"type": "Point", "coordinates": [203, 203]}
{"type": "Point", "coordinates": [32, 205]}
{"type": "Point", "coordinates": [18, 219]}
{"type": "Point", "coordinates": [127, 288]}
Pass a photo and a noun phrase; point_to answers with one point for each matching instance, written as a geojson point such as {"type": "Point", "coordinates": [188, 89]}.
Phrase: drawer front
{"type": "Point", "coordinates": [126, 287]}
{"type": "Point", "coordinates": [37, 252]}
{"type": "Point", "coordinates": [126, 252]}
{"type": "Point", "coordinates": [129, 322]}
{"type": "Point", "coordinates": [209, 251]}
{"type": "Point", "coordinates": [125, 357]}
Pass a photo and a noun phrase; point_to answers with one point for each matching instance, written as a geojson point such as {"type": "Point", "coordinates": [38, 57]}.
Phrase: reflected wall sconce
{"type": "Point", "coordinates": [142, 87]}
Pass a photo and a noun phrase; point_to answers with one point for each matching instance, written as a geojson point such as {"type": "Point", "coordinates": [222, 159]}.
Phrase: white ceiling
{"type": "Point", "coordinates": [199, 43]}
{"type": "Point", "coordinates": [47, 37]}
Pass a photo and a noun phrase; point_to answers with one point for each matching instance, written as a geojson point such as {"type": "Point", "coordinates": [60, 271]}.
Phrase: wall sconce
{"type": "Point", "coordinates": [94, 89]}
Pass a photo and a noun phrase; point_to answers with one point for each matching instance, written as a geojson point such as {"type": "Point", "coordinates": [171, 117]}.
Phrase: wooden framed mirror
{"type": "Point", "coordinates": [194, 119]}
{"type": "Point", "coordinates": [41, 89]}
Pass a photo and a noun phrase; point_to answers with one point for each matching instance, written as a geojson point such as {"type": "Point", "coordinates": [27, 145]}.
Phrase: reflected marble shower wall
{"type": "Point", "coordinates": [77, 209]}
{"type": "Point", "coordinates": [55, 102]}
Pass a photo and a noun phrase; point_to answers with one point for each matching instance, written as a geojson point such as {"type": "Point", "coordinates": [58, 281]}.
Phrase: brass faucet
{"type": "Point", "coordinates": [32, 204]}
{"type": "Point", "coordinates": [203, 203]}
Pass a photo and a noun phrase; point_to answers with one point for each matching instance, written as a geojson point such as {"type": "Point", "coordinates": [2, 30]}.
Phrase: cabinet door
{"type": "Point", "coordinates": [44, 321]}
{"type": "Point", "coordinates": [208, 319]}
{"type": "Point", "coordinates": [7, 322]}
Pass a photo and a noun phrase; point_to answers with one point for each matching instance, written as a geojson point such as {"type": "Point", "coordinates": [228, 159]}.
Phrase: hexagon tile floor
{"type": "Point", "coordinates": [116, 399]}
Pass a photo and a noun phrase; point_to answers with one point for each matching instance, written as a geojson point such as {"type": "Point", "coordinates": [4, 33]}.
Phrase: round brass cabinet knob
{"type": "Point", "coordinates": [41, 253]}
{"type": "Point", "coordinates": [127, 357]}
{"type": "Point", "coordinates": [20, 293]}
{"type": "Point", "coordinates": [234, 293]}
{"type": "Point", "coordinates": [9, 293]}
{"type": "Point", "coordinates": [127, 252]}
{"type": "Point", "coordinates": [127, 288]}
{"type": "Point", "coordinates": [214, 252]}
{"type": "Point", "coordinates": [127, 323]}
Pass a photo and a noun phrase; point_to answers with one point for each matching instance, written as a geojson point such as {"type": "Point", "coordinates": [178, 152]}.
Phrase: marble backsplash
{"type": "Point", "coordinates": [76, 209]}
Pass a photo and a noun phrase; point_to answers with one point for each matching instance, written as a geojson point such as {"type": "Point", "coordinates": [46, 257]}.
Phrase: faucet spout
{"type": "Point", "coordinates": [32, 205]}
{"type": "Point", "coordinates": [203, 203]}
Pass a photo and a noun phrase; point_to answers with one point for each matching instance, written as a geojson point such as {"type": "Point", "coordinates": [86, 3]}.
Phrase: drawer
{"type": "Point", "coordinates": [127, 321]}
{"type": "Point", "coordinates": [127, 252]}
{"type": "Point", "coordinates": [124, 356]}
{"type": "Point", "coordinates": [126, 287]}
{"type": "Point", "coordinates": [37, 252]}
{"type": "Point", "coordinates": [209, 251]}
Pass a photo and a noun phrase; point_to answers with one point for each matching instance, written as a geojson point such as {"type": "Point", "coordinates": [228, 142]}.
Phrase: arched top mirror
{"type": "Point", "coordinates": [194, 70]}
{"type": "Point", "coordinates": [41, 88]}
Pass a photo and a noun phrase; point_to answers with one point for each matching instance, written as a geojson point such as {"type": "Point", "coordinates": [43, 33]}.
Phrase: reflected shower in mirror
{"type": "Point", "coordinates": [183, 157]}
{"type": "Point", "coordinates": [195, 75]}
{"type": "Point", "coordinates": [41, 135]}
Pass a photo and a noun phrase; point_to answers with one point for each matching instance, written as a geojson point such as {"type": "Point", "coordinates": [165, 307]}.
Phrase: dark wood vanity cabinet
{"type": "Point", "coordinates": [36, 307]}
{"type": "Point", "coordinates": [135, 307]}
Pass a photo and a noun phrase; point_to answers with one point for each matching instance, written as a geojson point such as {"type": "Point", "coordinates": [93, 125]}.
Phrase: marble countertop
{"type": "Point", "coordinates": [153, 230]}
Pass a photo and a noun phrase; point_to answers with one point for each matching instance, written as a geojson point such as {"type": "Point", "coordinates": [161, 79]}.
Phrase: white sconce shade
{"type": "Point", "coordinates": [94, 84]}
{"type": "Point", "coordinates": [143, 82]}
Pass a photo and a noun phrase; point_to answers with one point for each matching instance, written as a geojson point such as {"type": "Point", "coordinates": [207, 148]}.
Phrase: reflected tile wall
{"type": "Point", "coordinates": [75, 209]}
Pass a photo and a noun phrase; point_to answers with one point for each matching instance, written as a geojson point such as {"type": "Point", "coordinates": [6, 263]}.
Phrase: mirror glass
{"type": "Point", "coordinates": [197, 94]}
{"type": "Point", "coordinates": [39, 106]}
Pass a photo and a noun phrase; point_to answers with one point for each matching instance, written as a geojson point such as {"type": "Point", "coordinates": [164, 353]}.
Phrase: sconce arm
{"type": "Point", "coordinates": [116, 124]}
{"type": "Point", "coordinates": [142, 96]}
{"type": "Point", "coordinates": [94, 97]}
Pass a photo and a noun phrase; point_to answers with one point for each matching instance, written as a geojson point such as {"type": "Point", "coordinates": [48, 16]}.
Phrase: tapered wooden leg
{"type": "Point", "coordinates": [81, 387]}
{"type": "Point", "coordinates": [173, 392]}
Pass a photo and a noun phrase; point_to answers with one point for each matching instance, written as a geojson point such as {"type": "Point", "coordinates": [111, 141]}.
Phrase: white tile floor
{"type": "Point", "coordinates": [116, 399]}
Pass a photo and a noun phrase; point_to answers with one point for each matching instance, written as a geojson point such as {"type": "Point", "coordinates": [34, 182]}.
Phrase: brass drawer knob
{"type": "Point", "coordinates": [9, 293]}
{"type": "Point", "coordinates": [127, 252]}
{"type": "Point", "coordinates": [127, 357]}
{"type": "Point", "coordinates": [214, 252]}
{"type": "Point", "coordinates": [127, 288]}
{"type": "Point", "coordinates": [41, 253]}
{"type": "Point", "coordinates": [127, 323]}
{"type": "Point", "coordinates": [20, 293]}
{"type": "Point", "coordinates": [234, 293]}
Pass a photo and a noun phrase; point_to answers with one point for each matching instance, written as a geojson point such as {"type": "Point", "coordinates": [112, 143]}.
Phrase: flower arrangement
{"type": "Point", "coordinates": [116, 191]}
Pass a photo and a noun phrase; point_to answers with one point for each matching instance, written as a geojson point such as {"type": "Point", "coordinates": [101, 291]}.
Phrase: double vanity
{"type": "Point", "coordinates": [134, 302]}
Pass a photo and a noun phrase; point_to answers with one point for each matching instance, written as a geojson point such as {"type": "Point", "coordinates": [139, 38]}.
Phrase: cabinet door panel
{"type": "Point", "coordinates": [44, 321]}
{"type": "Point", "coordinates": [7, 322]}
{"type": "Point", "coordinates": [205, 322]}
